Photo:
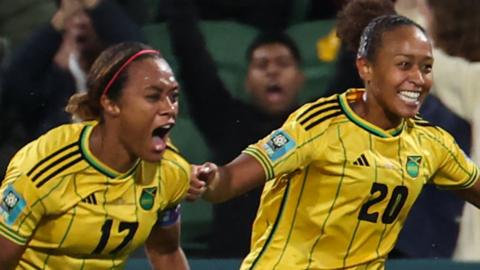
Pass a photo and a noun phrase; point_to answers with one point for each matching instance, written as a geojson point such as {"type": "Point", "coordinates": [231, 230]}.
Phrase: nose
{"type": "Point", "coordinates": [168, 107]}
{"type": "Point", "coordinates": [417, 76]}
{"type": "Point", "coordinates": [273, 69]}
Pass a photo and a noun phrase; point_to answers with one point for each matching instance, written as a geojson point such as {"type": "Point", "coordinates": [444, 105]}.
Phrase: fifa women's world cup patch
{"type": "Point", "coordinates": [280, 143]}
{"type": "Point", "coordinates": [11, 205]}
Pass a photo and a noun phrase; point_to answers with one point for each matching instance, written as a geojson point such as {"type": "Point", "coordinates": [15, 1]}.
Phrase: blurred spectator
{"type": "Point", "coordinates": [422, 236]}
{"type": "Point", "coordinates": [273, 81]}
{"type": "Point", "coordinates": [455, 28]}
{"type": "Point", "coordinates": [17, 18]}
{"type": "Point", "coordinates": [51, 66]}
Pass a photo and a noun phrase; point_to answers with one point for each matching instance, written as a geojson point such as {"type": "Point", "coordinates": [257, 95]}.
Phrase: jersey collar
{"type": "Point", "coordinates": [355, 94]}
{"type": "Point", "coordinates": [95, 162]}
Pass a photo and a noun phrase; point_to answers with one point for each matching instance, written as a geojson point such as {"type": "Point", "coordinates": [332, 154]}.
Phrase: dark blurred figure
{"type": "Point", "coordinates": [228, 125]}
{"type": "Point", "coordinates": [18, 18]}
{"type": "Point", "coordinates": [266, 15]}
{"type": "Point", "coordinates": [324, 9]}
{"type": "Point", "coordinates": [432, 228]}
{"type": "Point", "coordinates": [52, 65]}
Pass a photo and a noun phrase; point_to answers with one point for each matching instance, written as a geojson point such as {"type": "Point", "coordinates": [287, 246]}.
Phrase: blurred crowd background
{"type": "Point", "coordinates": [47, 46]}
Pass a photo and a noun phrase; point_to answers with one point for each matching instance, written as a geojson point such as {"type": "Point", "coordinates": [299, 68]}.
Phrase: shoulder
{"type": "Point", "coordinates": [318, 115]}
{"type": "Point", "coordinates": [174, 162]}
{"type": "Point", "coordinates": [48, 154]}
{"type": "Point", "coordinates": [430, 131]}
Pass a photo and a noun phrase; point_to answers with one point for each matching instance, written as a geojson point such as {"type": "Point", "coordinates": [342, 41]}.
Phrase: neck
{"type": "Point", "coordinates": [107, 147]}
{"type": "Point", "coordinates": [372, 112]}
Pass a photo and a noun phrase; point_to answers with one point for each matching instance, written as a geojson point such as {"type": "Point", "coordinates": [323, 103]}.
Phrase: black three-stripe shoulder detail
{"type": "Point", "coordinates": [328, 116]}
{"type": "Point", "coordinates": [59, 170]}
{"type": "Point", "coordinates": [51, 156]}
{"type": "Point", "coordinates": [316, 105]}
{"type": "Point", "coordinates": [421, 122]}
{"type": "Point", "coordinates": [54, 163]}
{"type": "Point", "coordinates": [418, 120]}
{"type": "Point", "coordinates": [317, 113]}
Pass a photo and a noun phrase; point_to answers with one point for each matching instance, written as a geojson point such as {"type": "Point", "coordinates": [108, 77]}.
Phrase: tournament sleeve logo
{"type": "Point", "coordinates": [278, 145]}
{"type": "Point", "coordinates": [413, 165]}
{"type": "Point", "coordinates": [11, 205]}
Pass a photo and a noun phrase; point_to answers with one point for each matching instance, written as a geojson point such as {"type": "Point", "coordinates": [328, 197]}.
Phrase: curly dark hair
{"type": "Point", "coordinates": [356, 15]}
{"type": "Point", "coordinates": [361, 24]}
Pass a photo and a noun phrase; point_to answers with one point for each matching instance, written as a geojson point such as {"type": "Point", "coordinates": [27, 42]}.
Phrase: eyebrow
{"type": "Point", "coordinates": [161, 90]}
{"type": "Point", "coordinates": [412, 55]}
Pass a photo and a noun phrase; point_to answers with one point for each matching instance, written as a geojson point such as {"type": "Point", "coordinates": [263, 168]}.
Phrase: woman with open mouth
{"type": "Point", "coordinates": [86, 195]}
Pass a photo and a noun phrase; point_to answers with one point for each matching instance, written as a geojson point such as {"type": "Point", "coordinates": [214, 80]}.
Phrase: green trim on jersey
{"type": "Point", "coordinates": [260, 157]}
{"type": "Point", "coordinates": [275, 226]}
{"type": "Point", "coordinates": [294, 217]}
{"type": "Point", "coordinates": [342, 99]}
{"type": "Point", "coordinates": [11, 235]}
{"type": "Point", "coordinates": [96, 163]}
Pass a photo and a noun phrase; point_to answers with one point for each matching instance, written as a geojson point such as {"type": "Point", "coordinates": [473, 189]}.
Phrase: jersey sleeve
{"type": "Point", "coordinates": [455, 169]}
{"type": "Point", "coordinates": [286, 149]}
{"type": "Point", "coordinates": [21, 208]}
{"type": "Point", "coordinates": [177, 174]}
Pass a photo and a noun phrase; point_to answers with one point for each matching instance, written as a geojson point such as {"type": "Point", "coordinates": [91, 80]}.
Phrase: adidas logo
{"type": "Point", "coordinates": [90, 199]}
{"type": "Point", "coordinates": [361, 161]}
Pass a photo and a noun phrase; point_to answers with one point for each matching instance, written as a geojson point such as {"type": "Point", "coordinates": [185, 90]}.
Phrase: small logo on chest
{"type": "Point", "coordinates": [147, 199]}
{"type": "Point", "coordinates": [361, 161]}
{"type": "Point", "coordinates": [413, 165]}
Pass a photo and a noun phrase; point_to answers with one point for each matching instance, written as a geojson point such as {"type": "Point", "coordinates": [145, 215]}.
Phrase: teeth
{"type": "Point", "coordinates": [166, 126]}
{"type": "Point", "coordinates": [409, 96]}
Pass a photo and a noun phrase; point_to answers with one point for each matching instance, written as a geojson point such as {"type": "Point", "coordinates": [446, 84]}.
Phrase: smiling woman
{"type": "Point", "coordinates": [106, 185]}
{"type": "Point", "coordinates": [343, 172]}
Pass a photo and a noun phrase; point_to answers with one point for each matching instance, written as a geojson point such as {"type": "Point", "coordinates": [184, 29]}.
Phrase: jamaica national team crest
{"type": "Point", "coordinates": [147, 199]}
{"type": "Point", "coordinates": [413, 165]}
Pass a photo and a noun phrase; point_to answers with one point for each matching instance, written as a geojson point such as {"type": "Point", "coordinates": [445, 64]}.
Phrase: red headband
{"type": "Point", "coordinates": [129, 60]}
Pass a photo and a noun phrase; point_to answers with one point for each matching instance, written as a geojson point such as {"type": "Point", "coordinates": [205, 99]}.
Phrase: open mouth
{"type": "Point", "coordinates": [274, 89]}
{"type": "Point", "coordinates": [159, 135]}
{"type": "Point", "coordinates": [162, 131]}
{"type": "Point", "coordinates": [274, 93]}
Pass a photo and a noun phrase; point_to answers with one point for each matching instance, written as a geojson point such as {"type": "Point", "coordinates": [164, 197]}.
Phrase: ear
{"type": "Point", "coordinates": [109, 106]}
{"type": "Point", "coordinates": [364, 69]}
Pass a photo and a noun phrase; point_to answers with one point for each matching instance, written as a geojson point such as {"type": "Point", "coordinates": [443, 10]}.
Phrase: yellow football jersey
{"type": "Point", "coordinates": [74, 212]}
{"type": "Point", "coordinates": [341, 188]}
